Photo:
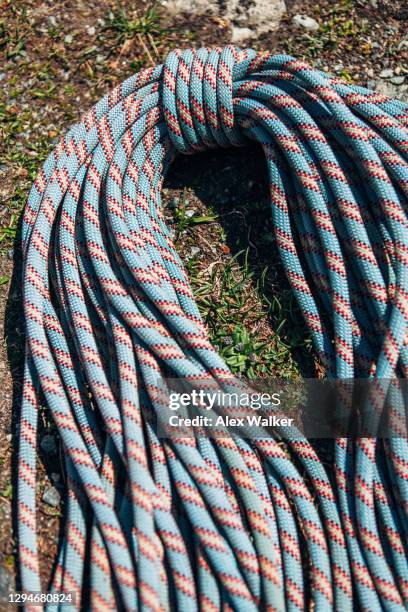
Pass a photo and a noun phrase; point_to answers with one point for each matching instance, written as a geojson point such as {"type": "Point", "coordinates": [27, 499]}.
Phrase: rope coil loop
{"type": "Point", "coordinates": [197, 97]}
{"type": "Point", "coordinates": [215, 524]}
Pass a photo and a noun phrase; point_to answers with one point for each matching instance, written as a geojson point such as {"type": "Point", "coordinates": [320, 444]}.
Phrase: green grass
{"type": "Point", "coordinates": [185, 217]}
{"type": "Point", "coordinates": [24, 155]}
{"type": "Point", "coordinates": [7, 492]}
{"type": "Point", "coordinates": [256, 336]}
{"type": "Point", "coordinates": [125, 27]}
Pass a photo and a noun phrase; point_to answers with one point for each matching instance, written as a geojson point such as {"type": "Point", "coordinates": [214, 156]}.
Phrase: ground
{"type": "Point", "coordinates": [59, 57]}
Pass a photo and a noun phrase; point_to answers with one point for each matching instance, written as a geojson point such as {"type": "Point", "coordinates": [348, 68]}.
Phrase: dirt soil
{"type": "Point", "coordinates": [57, 58]}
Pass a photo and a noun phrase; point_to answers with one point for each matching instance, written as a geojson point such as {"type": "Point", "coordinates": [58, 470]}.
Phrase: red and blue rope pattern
{"type": "Point", "coordinates": [187, 524]}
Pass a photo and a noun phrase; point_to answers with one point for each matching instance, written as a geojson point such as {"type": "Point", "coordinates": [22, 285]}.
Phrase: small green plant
{"type": "Point", "coordinates": [8, 233]}
{"type": "Point", "coordinates": [241, 352]}
{"type": "Point", "coordinates": [184, 219]}
{"type": "Point", "coordinates": [7, 492]}
{"type": "Point", "coordinates": [126, 27]}
{"type": "Point", "coordinates": [339, 25]}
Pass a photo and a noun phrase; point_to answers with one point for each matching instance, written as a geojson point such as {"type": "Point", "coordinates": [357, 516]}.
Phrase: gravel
{"type": "Point", "coordinates": [397, 80]}
{"type": "Point", "coordinates": [193, 252]}
{"type": "Point", "coordinates": [386, 74]}
{"type": "Point", "coordinates": [304, 21]}
{"type": "Point", "coordinates": [6, 583]}
{"type": "Point", "coordinates": [51, 497]}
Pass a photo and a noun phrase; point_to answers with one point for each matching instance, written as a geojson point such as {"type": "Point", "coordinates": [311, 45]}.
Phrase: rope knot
{"type": "Point", "coordinates": [197, 96]}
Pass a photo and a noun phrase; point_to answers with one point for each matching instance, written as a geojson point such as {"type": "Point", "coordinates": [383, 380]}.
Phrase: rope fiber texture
{"type": "Point", "coordinates": [226, 524]}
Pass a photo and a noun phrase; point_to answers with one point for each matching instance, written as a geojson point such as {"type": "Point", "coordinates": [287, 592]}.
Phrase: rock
{"type": "Point", "coordinates": [397, 80]}
{"type": "Point", "coordinates": [51, 497]}
{"type": "Point", "coordinates": [304, 21]}
{"type": "Point", "coordinates": [48, 444]}
{"type": "Point", "coordinates": [248, 19]}
{"type": "Point", "coordinates": [386, 74]}
{"type": "Point", "coordinates": [240, 34]}
{"type": "Point", "coordinates": [6, 583]}
{"type": "Point", "coordinates": [189, 213]}
{"type": "Point", "coordinates": [391, 90]}
{"type": "Point", "coordinates": [68, 39]}
{"type": "Point", "coordinates": [193, 252]}
{"type": "Point", "coordinates": [91, 30]}
{"type": "Point", "coordinates": [2, 76]}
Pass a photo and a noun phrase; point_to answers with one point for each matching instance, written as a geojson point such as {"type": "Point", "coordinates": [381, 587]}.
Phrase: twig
{"type": "Point", "coordinates": [145, 48]}
{"type": "Point", "coordinates": [151, 39]}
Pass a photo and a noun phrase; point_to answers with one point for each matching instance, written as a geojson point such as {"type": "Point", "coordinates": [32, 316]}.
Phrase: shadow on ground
{"type": "Point", "coordinates": [233, 185]}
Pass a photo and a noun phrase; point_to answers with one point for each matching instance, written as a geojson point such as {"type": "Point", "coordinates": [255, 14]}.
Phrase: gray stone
{"type": "Point", "coordinates": [240, 34]}
{"type": "Point", "coordinates": [392, 91]}
{"type": "Point", "coordinates": [48, 444]}
{"type": "Point", "coordinates": [387, 73]}
{"type": "Point", "coordinates": [51, 497]}
{"type": "Point", "coordinates": [397, 80]}
{"type": "Point", "coordinates": [6, 583]}
{"type": "Point", "coordinates": [248, 19]}
{"type": "Point", "coordinates": [193, 252]}
{"type": "Point", "coordinates": [304, 21]}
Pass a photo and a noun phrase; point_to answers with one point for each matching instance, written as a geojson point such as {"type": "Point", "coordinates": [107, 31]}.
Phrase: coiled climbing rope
{"type": "Point", "coordinates": [215, 524]}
